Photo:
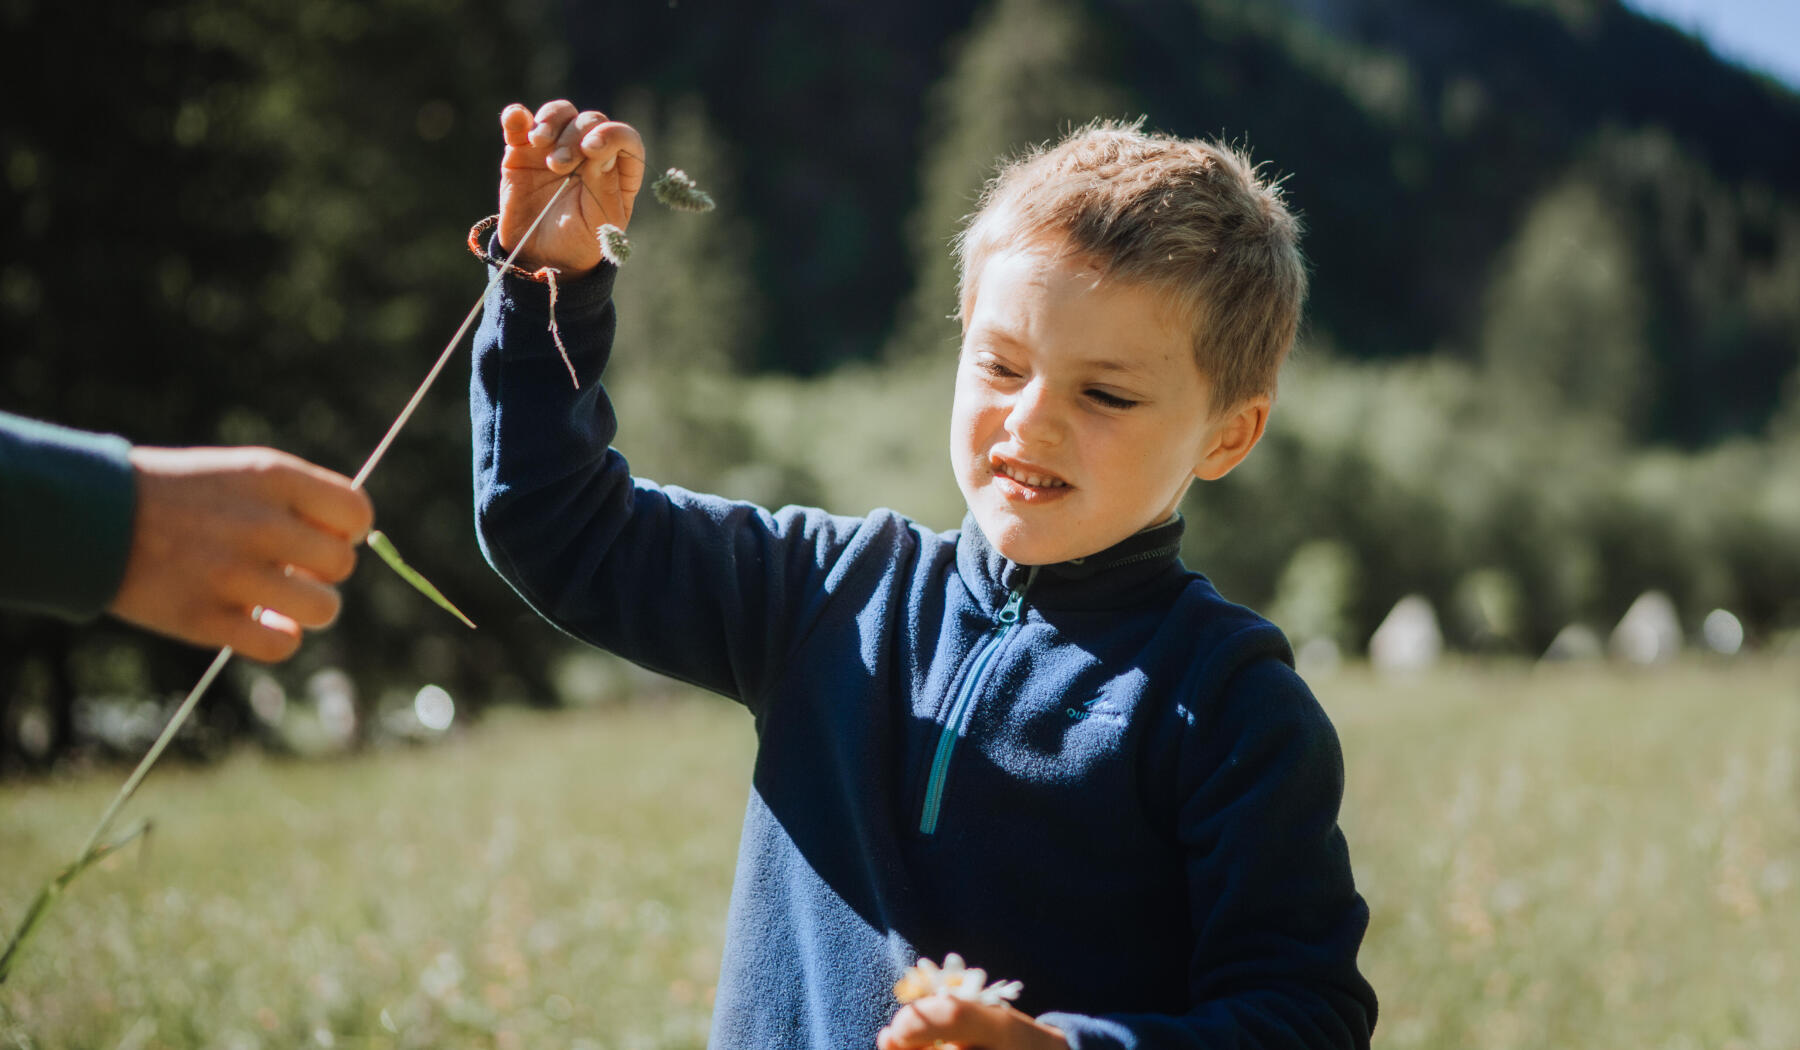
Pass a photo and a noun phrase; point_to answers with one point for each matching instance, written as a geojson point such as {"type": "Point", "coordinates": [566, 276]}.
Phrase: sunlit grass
{"type": "Point", "coordinates": [539, 882]}
{"type": "Point", "coordinates": [1579, 857]}
{"type": "Point", "coordinates": [1573, 858]}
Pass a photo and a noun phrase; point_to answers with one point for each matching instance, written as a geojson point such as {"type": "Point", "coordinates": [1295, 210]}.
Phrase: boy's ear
{"type": "Point", "coordinates": [1232, 437]}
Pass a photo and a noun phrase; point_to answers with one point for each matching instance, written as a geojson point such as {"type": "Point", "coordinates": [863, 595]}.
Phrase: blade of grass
{"type": "Point", "coordinates": [380, 544]}
{"type": "Point", "coordinates": [40, 905]}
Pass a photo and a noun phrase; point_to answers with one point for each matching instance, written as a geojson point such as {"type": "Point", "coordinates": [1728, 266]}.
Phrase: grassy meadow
{"type": "Point", "coordinates": [1567, 857]}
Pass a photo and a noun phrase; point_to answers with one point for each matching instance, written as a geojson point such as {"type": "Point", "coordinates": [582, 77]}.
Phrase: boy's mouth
{"type": "Point", "coordinates": [1026, 476]}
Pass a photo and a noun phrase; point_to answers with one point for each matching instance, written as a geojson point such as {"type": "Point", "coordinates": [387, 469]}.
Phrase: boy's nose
{"type": "Point", "coordinates": [1033, 417]}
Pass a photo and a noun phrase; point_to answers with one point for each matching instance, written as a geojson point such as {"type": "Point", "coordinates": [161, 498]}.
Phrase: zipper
{"type": "Point", "coordinates": [1007, 619]}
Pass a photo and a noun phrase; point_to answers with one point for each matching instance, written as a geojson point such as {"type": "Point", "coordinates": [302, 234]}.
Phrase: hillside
{"type": "Point", "coordinates": [1418, 137]}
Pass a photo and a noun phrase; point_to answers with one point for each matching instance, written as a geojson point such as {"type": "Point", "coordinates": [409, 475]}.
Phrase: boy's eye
{"type": "Point", "coordinates": [995, 368]}
{"type": "Point", "coordinates": [1111, 400]}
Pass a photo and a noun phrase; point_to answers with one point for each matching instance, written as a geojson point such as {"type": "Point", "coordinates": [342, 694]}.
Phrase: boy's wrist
{"type": "Point", "coordinates": [544, 289]}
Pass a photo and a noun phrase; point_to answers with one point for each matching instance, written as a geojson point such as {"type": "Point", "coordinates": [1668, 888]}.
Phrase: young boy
{"type": "Point", "coordinates": [1038, 741]}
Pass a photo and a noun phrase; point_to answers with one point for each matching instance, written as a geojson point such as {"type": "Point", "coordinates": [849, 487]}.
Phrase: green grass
{"type": "Point", "coordinates": [1568, 858]}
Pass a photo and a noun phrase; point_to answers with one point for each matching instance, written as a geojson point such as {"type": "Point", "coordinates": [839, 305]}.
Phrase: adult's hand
{"type": "Point", "coordinates": [238, 547]}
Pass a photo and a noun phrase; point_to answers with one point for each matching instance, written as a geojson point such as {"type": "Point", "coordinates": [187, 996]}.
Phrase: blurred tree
{"type": "Point", "coordinates": [1315, 594]}
{"type": "Point", "coordinates": [690, 318]}
{"type": "Point", "coordinates": [689, 300]}
{"type": "Point", "coordinates": [1027, 71]}
{"type": "Point", "coordinates": [1722, 264]}
{"type": "Point", "coordinates": [823, 100]}
{"type": "Point", "coordinates": [1567, 312]}
{"type": "Point", "coordinates": [867, 436]}
{"type": "Point", "coordinates": [243, 223]}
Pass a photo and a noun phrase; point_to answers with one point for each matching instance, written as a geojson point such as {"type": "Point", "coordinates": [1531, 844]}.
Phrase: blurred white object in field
{"type": "Point", "coordinates": [434, 708]}
{"type": "Point", "coordinates": [1649, 632]}
{"type": "Point", "coordinates": [1409, 639]}
{"type": "Point", "coordinates": [333, 695]}
{"type": "Point", "coordinates": [1318, 658]}
{"type": "Point", "coordinates": [1724, 632]}
{"type": "Point", "coordinates": [426, 717]}
{"type": "Point", "coordinates": [268, 699]}
{"type": "Point", "coordinates": [1577, 641]}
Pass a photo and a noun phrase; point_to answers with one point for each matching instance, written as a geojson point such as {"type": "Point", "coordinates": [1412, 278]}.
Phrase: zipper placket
{"type": "Point", "coordinates": [1007, 619]}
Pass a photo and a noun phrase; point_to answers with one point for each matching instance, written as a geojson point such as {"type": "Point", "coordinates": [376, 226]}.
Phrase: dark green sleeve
{"type": "Point", "coordinates": [66, 504]}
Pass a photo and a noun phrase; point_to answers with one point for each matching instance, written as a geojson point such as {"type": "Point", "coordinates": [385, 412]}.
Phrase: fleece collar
{"type": "Point", "coordinates": [1130, 571]}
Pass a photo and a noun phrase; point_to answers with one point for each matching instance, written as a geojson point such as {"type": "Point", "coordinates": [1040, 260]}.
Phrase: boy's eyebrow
{"type": "Point", "coordinates": [998, 335]}
{"type": "Point", "coordinates": [1125, 367]}
{"type": "Point", "coordinates": [992, 334]}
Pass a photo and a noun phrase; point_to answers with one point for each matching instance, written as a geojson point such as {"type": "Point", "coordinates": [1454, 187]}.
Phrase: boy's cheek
{"type": "Point", "coordinates": [965, 426]}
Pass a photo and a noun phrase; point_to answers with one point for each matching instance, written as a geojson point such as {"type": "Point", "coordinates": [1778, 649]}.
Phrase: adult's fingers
{"type": "Point", "coordinates": [296, 594]}
{"type": "Point", "coordinates": [321, 496]}
{"type": "Point", "coordinates": [285, 538]}
{"type": "Point", "coordinates": [267, 636]}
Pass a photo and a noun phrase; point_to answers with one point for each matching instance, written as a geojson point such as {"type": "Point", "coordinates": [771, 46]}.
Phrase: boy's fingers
{"type": "Point", "coordinates": [551, 117]}
{"type": "Point", "coordinates": [925, 1022]}
{"type": "Point", "coordinates": [609, 139]}
{"type": "Point", "coordinates": [581, 125]}
{"type": "Point", "coordinates": [558, 110]}
{"type": "Point", "coordinates": [959, 1023]}
{"type": "Point", "coordinates": [615, 168]}
{"type": "Point", "coordinates": [566, 154]}
{"type": "Point", "coordinates": [515, 125]}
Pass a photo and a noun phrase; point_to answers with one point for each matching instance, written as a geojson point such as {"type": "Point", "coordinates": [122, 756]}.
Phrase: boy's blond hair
{"type": "Point", "coordinates": [1193, 220]}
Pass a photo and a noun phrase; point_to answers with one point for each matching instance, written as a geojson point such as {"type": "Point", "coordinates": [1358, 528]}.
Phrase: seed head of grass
{"type": "Point", "coordinates": [677, 189]}
{"type": "Point", "coordinates": [615, 248]}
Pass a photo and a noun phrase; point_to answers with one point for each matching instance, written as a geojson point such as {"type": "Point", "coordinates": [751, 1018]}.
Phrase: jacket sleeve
{"type": "Point", "coordinates": [704, 589]}
{"type": "Point", "coordinates": [66, 503]}
{"type": "Point", "coordinates": [1276, 920]}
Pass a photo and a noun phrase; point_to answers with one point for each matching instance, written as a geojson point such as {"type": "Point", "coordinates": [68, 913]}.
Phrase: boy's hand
{"type": "Point", "coordinates": [939, 1020]}
{"type": "Point", "coordinates": [544, 147]}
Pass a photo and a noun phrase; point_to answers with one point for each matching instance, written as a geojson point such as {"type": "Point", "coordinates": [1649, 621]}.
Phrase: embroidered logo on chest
{"type": "Point", "coordinates": [1113, 702]}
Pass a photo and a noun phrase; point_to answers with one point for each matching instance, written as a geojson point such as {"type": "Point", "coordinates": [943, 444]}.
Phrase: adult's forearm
{"type": "Point", "coordinates": [66, 502]}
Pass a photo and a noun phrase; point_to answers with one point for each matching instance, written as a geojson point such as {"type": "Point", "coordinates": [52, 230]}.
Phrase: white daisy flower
{"type": "Point", "coordinates": [954, 979]}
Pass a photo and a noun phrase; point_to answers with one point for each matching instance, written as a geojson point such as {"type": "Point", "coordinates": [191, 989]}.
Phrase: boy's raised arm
{"type": "Point", "coordinates": [702, 588]}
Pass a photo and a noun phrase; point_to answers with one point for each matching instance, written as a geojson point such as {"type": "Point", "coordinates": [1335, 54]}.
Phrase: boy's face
{"type": "Point", "coordinates": [1080, 415]}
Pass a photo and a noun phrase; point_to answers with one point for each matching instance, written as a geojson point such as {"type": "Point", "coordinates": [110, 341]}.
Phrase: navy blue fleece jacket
{"type": "Point", "coordinates": [1101, 779]}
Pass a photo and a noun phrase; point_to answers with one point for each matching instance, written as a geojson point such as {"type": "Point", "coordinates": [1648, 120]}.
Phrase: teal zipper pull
{"type": "Point", "coordinates": [1007, 619]}
{"type": "Point", "coordinates": [1009, 613]}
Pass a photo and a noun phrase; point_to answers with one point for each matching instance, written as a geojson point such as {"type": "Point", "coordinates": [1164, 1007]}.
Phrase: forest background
{"type": "Point", "coordinates": [1552, 356]}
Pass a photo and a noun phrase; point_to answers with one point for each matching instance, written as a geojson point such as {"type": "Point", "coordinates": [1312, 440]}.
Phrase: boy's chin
{"type": "Point", "coordinates": [1024, 543]}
